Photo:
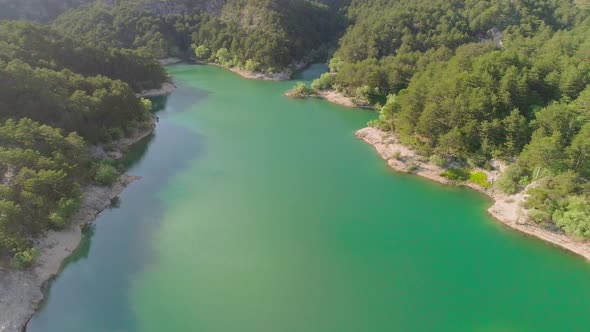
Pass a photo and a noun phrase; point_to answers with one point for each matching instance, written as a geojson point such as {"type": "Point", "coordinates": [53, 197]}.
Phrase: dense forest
{"type": "Point", "coordinates": [258, 35]}
{"type": "Point", "coordinates": [470, 81]}
{"type": "Point", "coordinates": [57, 96]}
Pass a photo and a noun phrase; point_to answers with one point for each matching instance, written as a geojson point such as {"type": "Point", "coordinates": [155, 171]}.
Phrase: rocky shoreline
{"type": "Point", "coordinates": [334, 97]}
{"type": "Point", "coordinates": [21, 292]}
{"type": "Point", "coordinates": [283, 75]}
{"type": "Point", "coordinates": [506, 209]}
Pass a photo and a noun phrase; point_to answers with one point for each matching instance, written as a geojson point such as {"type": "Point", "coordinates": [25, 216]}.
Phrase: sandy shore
{"type": "Point", "coordinates": [507, 209]}
{"type": "Point", "coordinates": [283, 75]}
{"type": "Point", "coordinates": [21, 292]}
{"type": "Point", "coordinates": [166, 89]}
{"type": "Point", "coordinates": [280, 76]}
{"type": "Point", "coordinates": [336, 97]}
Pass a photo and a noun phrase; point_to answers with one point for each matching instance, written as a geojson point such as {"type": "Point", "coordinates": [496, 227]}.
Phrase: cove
{"type": "Point", "coordinates": [257, 213]}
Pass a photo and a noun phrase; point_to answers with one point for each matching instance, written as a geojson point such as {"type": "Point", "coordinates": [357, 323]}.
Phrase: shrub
{"type": "Point", "coordinates": [252, 65]}
{"type": "Point", "coordinates": [65, 209]}
{"type": "Point", "coordinates": [480, 178]}
{"type": "Point", "coordinates": [539, 216]}
{"type": "Point", "coordinates": [115, 133]}
{"type": "Point", "coordinates": [575, 217]}
{"type": "Point", "coordinates": [509, 181]}
{"type": "Point", "coordinates": [412, 167]}
{"type": "Point", "coordinates": [223, 57]}
{"type": "Point", "coordinates": [202, 52]}
{"type": "Point", "coordinates": [537, 198]}
{"type": "Point", "coordinates": [456, 174]}
{"type": "Point", "coordinates": [23, 259]}
{"type": "Point", "coordinates": [396, 155]}
{"type": "Point", "coordinates": [438, 160]}
{"type": "Point", "coordinates": [56, 221]}
{"type": "Point", "coordinates": [476, 161]}
{"type": "Point", "coordinates": [335, 64]}
{"type": "Point", "coordinates": [524, 181]}
{"type": "Point", "coordinates": [300, 91]}
{"type": "Point", "coordinates": [106, 174]}
{"type": "Point", "coordinates": [363, 93]}
{"type": "Point", "coordinates": [325, 81]}
{"type": "Point", "coordinates": [147, 104]}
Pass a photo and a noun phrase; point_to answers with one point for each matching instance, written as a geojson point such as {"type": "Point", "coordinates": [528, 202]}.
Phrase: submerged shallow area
{"type": "Point", "coordinates": [261, 213]}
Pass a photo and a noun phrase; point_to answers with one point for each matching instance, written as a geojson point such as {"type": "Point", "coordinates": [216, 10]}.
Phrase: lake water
{"type": "Point", "coordinates": [257, 213]}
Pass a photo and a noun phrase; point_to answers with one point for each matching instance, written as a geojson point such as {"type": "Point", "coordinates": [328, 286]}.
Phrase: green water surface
{"type": "Point", "coordinates": [257, 213]}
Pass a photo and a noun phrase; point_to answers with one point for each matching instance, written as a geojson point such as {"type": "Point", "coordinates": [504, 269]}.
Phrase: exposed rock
{"type": "Point", "coordinates": [97, 152]}
{"type": "Point", "coordinates": [506, 208]}
{"type": "Point", "coordinates": [21, 292]}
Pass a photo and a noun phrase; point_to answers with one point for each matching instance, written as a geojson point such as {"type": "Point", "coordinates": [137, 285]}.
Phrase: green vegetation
{"type": "Point", "coordinates": [462, 82]}
{"type": "Point", "coordinates": [438, 160]}
{"type": "Point", "coordinates": [42, 47]}
{"type": "Point", "coordinates": [40, 174]}
{"type": "Point", "coordinates": [456, 174]}
{"type": "Point", "coordinates": [202, 52]}
{"type": "Point", "coordinates": [480, 178]}
{"type": "Point", "coordinates": [512, 180]}
{"type": "Point", "coordinates": [300, 91]}
{"type": "Point", "coordinates": [57, 95]}
{"type": "Point", "coordinates": [390, 41]}
{"type": "Point", "coordinates": [324, 82]}
{"type": "Point", "coordinates": [472, 81]}
{"type": "Point", "coordinates": [24, 259]}
{"type": "Point", "coordinates": [271, 34]}
{"type": "Point", "coordinates": [106, 174]}
{"type": "Point", "coordinates": [462, 174]}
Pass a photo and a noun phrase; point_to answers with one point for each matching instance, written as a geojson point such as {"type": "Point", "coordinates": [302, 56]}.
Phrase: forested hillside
{"type": "Point", "coordinates": [268, 35]}
{"type": "Point", "coordinates": [57, 96]}
{"type": "Point", "coordinates": [469, 81]}
{"type": "Point", "coordinates": [37, 10]}
{"type": "Point", "coordinates": [460, 81]}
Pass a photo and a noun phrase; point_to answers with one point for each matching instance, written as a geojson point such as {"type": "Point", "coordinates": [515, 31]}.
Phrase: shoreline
{"type": "Point", "coordinates": [284, 75]}
{"type": "Point", "coordinates": [23, 291]}
{"type": "Point", "coordinates": [166, 89]}
{"type": "Point", "coordinates": [506, 209]}
{"type": "Point", "coordinates": [334, 97]}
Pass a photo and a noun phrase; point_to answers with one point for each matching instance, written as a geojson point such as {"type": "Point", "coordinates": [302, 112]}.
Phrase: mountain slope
{"type": "Point", "coordinates": [270, 33]}
{"type": "Point", "coordinates": [36, 10]}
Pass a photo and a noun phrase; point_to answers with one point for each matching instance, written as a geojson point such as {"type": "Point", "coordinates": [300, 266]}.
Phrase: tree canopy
{"type": "Point", "coordinates": [271, 34]}
{"type": "Point", "coordinates": [57, 95]}
{"type": "Point", "coordinates": [482, 79]}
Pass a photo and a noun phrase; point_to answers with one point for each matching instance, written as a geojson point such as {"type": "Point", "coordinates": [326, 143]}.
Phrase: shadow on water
{"type": "Point", "coordinates": [87, 288]}
{"type": "Point", "coordinates": [310, 72]}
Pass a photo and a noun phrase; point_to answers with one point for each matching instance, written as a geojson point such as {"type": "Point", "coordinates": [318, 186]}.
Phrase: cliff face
{"type": "Point", "coordinates": [36, 10]}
